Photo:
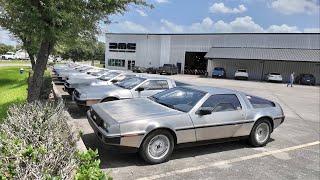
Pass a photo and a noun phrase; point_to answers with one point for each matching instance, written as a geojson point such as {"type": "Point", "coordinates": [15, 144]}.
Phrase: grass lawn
{"type": "Point", "coordinates": [13, 88]}
{"type": "Point", "coordinates": [15, 62]}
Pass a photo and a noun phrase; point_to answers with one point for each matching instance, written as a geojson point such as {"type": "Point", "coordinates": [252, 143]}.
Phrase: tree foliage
{"type": "Point", "coordinates": [84, 49]}
{"type": "Point", "coordinates": [5, 48]}
{"type": "Point", "coordinates": [42, 24]}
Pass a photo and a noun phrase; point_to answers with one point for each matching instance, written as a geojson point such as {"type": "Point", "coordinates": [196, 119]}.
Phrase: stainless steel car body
{"type": "Point", "coordinates": [64, 75]}
{"type": "Point", "coordinates": [107, 78]}
{"type": "Point", "coordinates": [89, 95]}
{"type": "Point", "coordinates": [85, 79]}
{"type": "Point", "coordinates": [128, 122]}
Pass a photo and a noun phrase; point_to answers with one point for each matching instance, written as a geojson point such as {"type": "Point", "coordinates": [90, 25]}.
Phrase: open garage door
{"type": "Point", "coordinates": [195, 63]}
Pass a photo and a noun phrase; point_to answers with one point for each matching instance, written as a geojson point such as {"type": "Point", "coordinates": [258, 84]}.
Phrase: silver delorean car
{"type": "Point", "coordinates": [155, 125]}
{"type": "Point", "coordinates": [128, 88]}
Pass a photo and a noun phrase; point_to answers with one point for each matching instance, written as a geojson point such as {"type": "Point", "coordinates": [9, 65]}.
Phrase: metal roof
{"type": "Point", "coordinates": [278, 54]}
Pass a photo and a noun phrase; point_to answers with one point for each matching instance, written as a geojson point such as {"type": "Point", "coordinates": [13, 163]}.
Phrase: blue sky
{"type": "Point", "coordinates": [214, 16]}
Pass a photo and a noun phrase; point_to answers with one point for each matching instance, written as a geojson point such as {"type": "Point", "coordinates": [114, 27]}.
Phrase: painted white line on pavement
{"type": "Point", "coordinates": [225, 162]}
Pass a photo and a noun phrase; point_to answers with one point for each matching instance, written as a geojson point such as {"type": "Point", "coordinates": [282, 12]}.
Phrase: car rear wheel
{"type": "Point", "coordinates": [260, 133]}
{"type": "Point", "coordinates": [157, 147]}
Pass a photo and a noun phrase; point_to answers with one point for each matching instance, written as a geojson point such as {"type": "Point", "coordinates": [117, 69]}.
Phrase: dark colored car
{"type": "Point", "coordinates": [306, 79]}
{"type": "Point", "coordinates": [152, 70]}
{"type": "Point", "coordinates": [138, 69]}
{"type": "Point", "coordinates": [218, 72]}
{"type": "Point", "coordinates": [168, 69]}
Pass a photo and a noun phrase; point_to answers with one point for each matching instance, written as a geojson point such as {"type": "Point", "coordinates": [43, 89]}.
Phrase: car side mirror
{"type": "Point", "coordinates": [114, 80]}
{"type": "Point", "coordinates": [139, 89]}
{"type": "Point", "coordinates": [204, 111]}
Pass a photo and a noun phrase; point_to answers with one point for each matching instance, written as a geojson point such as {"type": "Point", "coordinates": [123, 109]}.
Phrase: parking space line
{"type": "Point", "coordinates": [225, 162]}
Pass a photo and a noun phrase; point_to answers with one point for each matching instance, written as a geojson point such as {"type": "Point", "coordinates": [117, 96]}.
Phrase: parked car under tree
{"type": "Point", "coordinates": [157, 124]}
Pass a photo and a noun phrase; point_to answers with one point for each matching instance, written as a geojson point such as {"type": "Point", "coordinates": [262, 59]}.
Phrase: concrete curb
{"type": "Point", "coordinates": [80, 144]}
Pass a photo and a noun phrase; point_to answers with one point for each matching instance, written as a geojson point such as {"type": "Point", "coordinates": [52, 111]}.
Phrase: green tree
{"type": "Point", "coordinates": [42, 24]}
{"type": "Point", "coordinates": [5, 48]}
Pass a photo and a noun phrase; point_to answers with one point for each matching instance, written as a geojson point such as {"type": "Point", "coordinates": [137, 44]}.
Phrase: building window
{"type": "Point", "coordinates": [122, 47]}
{"type": "Point", "coordinates": [116, 62]}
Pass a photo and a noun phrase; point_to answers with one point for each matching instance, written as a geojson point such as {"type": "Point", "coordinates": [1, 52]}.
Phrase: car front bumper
{"type": "Point", "coordinates": [110, 139]}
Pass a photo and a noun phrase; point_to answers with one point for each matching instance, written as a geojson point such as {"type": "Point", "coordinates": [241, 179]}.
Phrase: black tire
{"type": "Point", "coordinates": [253, 140]}
{"type": "Point", "coordinates": [109, 99]}
{"type": "Point", "coordinates": [145, 154]}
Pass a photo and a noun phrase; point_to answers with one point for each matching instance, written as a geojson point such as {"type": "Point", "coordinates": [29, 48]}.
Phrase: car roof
{"type": "Point", "coordinates": [214, 90]}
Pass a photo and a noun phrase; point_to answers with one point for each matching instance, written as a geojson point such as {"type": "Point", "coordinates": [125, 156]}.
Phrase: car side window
{"type": "Point", "coordinates": [223, 102]}
{"type": "Point", "coordinates": [257, 102]}
{"type": "Point", "coordinates": [155, 85]}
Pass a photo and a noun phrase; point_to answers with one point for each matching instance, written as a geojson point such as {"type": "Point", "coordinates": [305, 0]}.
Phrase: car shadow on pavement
{"type": "Point", "coordinates": [114, 157]}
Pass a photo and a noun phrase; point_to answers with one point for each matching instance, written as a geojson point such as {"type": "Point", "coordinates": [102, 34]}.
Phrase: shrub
{"type": "Point", "coordinates": [36, 143]}
{"type": "Point", "coordinates": [89, 166]}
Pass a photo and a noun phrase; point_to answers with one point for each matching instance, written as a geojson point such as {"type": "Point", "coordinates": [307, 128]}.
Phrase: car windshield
{"type": "Point", "coordinates": [179, 98]}
{"type": "Point", "coordinates": [130, 82]}
{"type": "Point", "coordinates": [218, 69]}
{"type": "Point", "coordinates": [109, 76]}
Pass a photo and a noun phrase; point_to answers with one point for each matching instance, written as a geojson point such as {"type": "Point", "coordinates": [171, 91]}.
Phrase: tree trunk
{"type": "Point", "coordinates": [33, 62]}
{"type": "Point", "coordinates": [36, 78]}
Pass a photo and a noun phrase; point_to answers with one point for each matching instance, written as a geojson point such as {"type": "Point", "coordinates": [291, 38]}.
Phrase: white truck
{"type": "Point", "coordinates": [8, 55]}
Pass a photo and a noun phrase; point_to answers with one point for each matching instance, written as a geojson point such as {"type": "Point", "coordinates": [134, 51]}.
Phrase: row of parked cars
{"type": "Point", "coordinates": [242, 74]}
{"type": "Point", "coordinates": [153, 115]}
{"type": "Point", "coordinates": [169, 69]}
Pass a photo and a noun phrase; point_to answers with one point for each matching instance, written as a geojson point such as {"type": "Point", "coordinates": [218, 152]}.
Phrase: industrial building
{"type": "Point", "coordinates": [259, 53]}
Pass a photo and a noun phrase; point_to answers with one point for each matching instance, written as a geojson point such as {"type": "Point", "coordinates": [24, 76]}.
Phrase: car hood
{"type": "Point", "coordinates": [133, 109]}
{"type": "Point", "coordinates": [80, 80]}
{"type": "Point", "coordinates": [101, 91]}
{"type": "Point", "coordinates": [81, 76]}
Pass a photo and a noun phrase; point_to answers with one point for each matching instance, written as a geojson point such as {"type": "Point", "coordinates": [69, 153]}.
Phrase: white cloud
{"type": "Point", "coordinates": [168, 26]}
{"type": "Point", "coordinates": [221, 8]}
{"type": "Point", "coordinates": [142, 13]}
{"type": "Point", "coordinates": [244, 24]}
{"type": "Point", "coordinates": [240, 24]}
{"type": "Point", "coordinates": [128, 27]}
{"type": "Point", "coordinates": [283, 29]}
{"type": "Point", "coordinates": [7, 38]}
{"type": "Point", "coordinates": [206, 25]}
{"type": "Point", "coordinates": [296, 6]}
{"type": "Point", "coordinates": [311, 30]}
{"type": "Point", "coordinates": [162, 1]}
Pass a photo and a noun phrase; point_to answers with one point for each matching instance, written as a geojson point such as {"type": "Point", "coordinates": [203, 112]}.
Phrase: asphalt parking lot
{"type": "Point", "coordinates": [292, 153]}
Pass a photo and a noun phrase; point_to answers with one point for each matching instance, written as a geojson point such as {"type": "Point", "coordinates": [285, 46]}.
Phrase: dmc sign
{"type": "Point", "coordinates": [129, 46]}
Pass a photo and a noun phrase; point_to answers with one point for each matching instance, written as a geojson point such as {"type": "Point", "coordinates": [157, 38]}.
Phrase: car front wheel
{"type": "Point", "coordinates": [260, 133]}
{"type": "Point", "coordinates": [157, 147]}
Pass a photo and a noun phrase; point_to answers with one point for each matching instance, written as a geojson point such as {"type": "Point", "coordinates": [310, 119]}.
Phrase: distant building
{"type": "Point", "coordinates": [259, 53]}
{"type": "Point", "coordinates": [22, 54]}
